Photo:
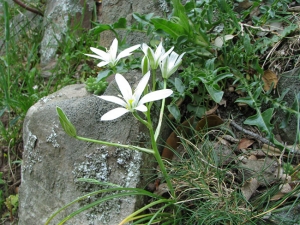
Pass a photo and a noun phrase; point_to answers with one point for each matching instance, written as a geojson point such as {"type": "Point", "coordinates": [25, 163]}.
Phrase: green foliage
{"type": "Point", "coordinates": [2, 192]}
{"type": "Point", "coordinates": [95, 87]}
{"type": "Point", "coordinates": [12, 203]}
{"type": "Point", "coordinates": [206, 70]}
{"type": "Point", "coordinates": [211, 77]}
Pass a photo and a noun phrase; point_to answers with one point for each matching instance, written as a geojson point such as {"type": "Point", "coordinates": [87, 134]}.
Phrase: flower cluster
{"type": "Point", "coordinates": [131, 100]}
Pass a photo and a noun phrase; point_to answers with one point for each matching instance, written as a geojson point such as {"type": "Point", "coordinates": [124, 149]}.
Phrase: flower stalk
{"type": "Point", "coordinates": [141, 99]}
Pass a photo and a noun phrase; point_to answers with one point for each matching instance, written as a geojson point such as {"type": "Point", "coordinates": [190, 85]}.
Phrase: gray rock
{"type": "Point", "coordinates": [57, 17]}
{"type": "Point", "coordinates": [113, 10]}
{"type": "Point", "coordinates": [52, 161]}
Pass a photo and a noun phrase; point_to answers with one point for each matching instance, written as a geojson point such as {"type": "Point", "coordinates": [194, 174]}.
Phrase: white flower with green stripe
{"type": "Point", "coordinates": [110, 57]}
{"type": "Point", "coordinates": [132, 101]}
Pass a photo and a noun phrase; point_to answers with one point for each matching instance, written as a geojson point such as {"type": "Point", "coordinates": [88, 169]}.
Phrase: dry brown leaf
{"type": "Point", "coordinates": [223, 102]}
{"type": "Point", "coordinates": [162, 189]}
{"type": "Point", "coordinates": [268, 78]}
{"type": "Point", "coordinates": [212, 110]}
{"type": "Point", "coordinates": [284, 189]}
{"type": "Point", "coordinates": [252, 157]}
{"type": "Point", "coordinates": [277, 196]}
{"type": "Point", "coordinates": [271, 151]}
{"type": "Point", "coordinates": [245, 143]}
{"type": "Point", "coordinates": [249, 188]}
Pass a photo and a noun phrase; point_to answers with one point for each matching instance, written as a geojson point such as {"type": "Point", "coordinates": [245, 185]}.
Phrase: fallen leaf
{"type": "Point", "coordinates": [284, 189]}
{"type": "Point", "coordinates": [245, 143]}
{"type": "Point", "coordinates": [162, 189]}
{"type": "Point", "coordinates": [223, 102]}
{"type": "Point", "coordinates": [277, 196]}
{"type": "Point", "coordinates": [212, 110]}
{"type": "Point", "coordinates": [268, 78]}
{"type": "Point", "coordinates": [271, 151]}
{"type": "Point", "coordinates": [252, 157]}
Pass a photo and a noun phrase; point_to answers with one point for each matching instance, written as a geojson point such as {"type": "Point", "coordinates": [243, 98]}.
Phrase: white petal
{"type": "Point", "coordinates": [141, 86]}
{"type": "Point", "coordinates": [113, 50]}
{"type": "Point", "coordinates": [179, 60]}
{"type": "Point", "coordinates": [104, 55]}
{"type": "Point", "coordinates": [159, 51]}
{"type": "Point", "coordinates": [144, 48]}
{"type": "Point", "coordinates": [164, 67]}
{"type": "Point", "coordinates": [141, 108]}
{"type": "Point", "coordinates": [172, 59]}
{"type": "Point", "coordinates": [94, 56]}
{"type": "Point", "coordinates": [151, 57]}
{"type": "Point", "coordinates": [156, 95]}
{"type": "Point", "coordinates": [103, 63]}
{"type": "Point", "coordinates": [114, 114]}
{"type": "Point", "coordinates": [166, 54]}
{"type": "Point", "coordinates": [127, 52]}
{"type": "Point", "coordinates": [124, 87]}
{"type": "Point", "coordinates": [113, 99]}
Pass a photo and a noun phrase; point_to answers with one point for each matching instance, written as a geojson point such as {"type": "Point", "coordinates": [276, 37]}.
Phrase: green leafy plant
{"type": "Point", "coordinates": [95, 87]}
{"type": "Point", "coordinates": [133, 102]}
{"type": "Point", "coordinates": [12, 203]}
{"type": "Point", "coordinates": [2, 191]}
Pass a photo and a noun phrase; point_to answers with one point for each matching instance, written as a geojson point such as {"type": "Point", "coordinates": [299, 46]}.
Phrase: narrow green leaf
{"type": "Point", "coordinates": [222, 76]}
{"type": "Point", "coordinates": [143, 19]}
{"type": "Point", "coordinates": [249, 101]}
{"type": "Point", "coordinates": [100, 28]}
{"type": "Point", "coordinates": [173, 29]}
{"type": "Point", "coordinates": [179, 11]}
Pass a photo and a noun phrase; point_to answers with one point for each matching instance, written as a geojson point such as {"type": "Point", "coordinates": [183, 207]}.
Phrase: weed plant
{"type": "Point", "coordinates": [205, 193]}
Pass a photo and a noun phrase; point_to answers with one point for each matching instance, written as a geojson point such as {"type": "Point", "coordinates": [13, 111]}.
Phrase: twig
{"type": "Point", "coordinates": [256, 136]}
{"type": "Point", "coordinates": [23, 5]}
{"type": "Point", "coordinates": [294, 9]}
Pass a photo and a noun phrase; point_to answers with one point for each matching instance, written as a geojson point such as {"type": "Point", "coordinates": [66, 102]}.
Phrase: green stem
{"type": "Point", "coordinates": [116, 145]}
{"type": "Point", "coordinates": [153, 72]}
{"type": "Point", "coordinates": [158, 157]}
{"type": "Point", "coordinates": [157, 131]}
{"type": "Point", "coordinates": [161, 163]}
{"type": "Point", "coordinates": [148, 125]}
{"type": "Point", "coordinates": [7, 43]}
{"type": "Point", "coordinates": [153, 79]}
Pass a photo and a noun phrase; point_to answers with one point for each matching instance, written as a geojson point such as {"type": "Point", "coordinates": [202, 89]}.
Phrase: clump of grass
{"type": "Point", "coordinates": [206, 193]}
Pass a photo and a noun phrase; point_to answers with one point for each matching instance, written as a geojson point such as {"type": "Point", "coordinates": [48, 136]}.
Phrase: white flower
{"type": "Point", "coordinates": [170, 64]}
{"type": "Point", "coordinates": [157, 56]}
{"type": "Point", "coordinates": [110, 57]}
{"type": "Point", "coordinates": [131, 101]}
